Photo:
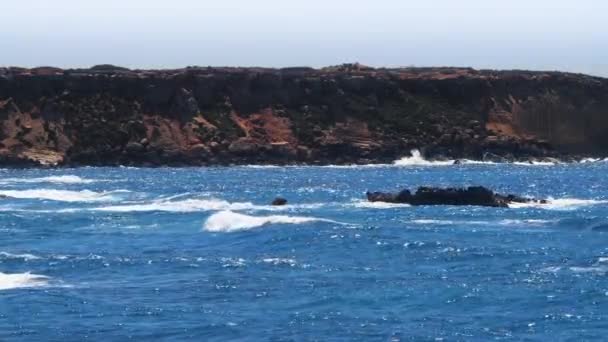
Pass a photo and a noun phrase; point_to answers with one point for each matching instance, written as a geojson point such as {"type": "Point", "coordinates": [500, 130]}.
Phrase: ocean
{"type": "Point", "coordinates": [199, 254]}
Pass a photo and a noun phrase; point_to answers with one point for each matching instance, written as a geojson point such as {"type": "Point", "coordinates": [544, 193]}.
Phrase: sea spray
{"type": "Point", "coordinates": [22, 280]}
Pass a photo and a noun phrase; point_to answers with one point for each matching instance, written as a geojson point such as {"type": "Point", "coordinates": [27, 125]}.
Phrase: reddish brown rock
{"type": "Point", "coordinates": [108, 115]}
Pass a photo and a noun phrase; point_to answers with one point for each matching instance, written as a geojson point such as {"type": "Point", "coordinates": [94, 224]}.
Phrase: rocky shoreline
{"type": "Point", "coordinates": [347, 114]}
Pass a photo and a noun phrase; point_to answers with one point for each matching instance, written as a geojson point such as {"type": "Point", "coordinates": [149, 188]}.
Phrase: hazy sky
{"type": "Point", "coordinates": [569, 35]}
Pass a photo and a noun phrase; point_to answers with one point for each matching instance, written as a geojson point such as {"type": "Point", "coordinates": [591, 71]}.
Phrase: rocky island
{"type": "Point", "coordinates": [473, 195]}
{"type": "Point", "coordinates": [108, 115]}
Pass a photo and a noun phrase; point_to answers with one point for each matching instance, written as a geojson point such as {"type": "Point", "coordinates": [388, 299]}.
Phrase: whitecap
{"type": "Point", "coordinates": [62, 195]}
{"type": "Point", "coordinates": [505, 222]}
{"type": "Point", "coordinates": [418, 160]}
{"type": "Point", "coordinates": [593, 160]}
{"type": "Point", "coordinates": [600, 269]}
{"type": "Point", "coordinates": [188, 205]}
{"type": "Point", "coordinates": [25, 256]}
{"type": "Point", "coordinates": [233, 262]}
{"type": "Point", "coordinates": [270, 166]}
{"type": "Point", "coordinates": [228, 221]}
{"type": "Point", "coordinates": [22, 280]}
{"type": "Point", "coordinates": [532, 222]}
{"type": "Point", "coordinates": [559, 203]}
{"type": "Point", "coordinates": [65, 179]}
{"type": "Point", "coordinates": [280, 261]}
{"type": "Point", "coordinates": [430, 221]}
{"type": "Point", "coordinates": [378, 205]}
{"type": "Point", "coordinates": [197, 205]}
{"type": "Point", "coordinates": [551, 269]}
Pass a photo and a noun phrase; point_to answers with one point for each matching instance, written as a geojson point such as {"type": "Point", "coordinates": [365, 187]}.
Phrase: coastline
{"type": "Point", "coordinates": [343, 115]}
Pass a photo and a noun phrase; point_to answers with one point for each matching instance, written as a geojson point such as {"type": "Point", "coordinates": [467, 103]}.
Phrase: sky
{"type": "Point", "coordinates": [566, 35]}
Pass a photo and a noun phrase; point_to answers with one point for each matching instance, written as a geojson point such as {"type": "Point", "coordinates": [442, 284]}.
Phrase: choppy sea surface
{"type": "Point", "coordinates": [198, 254]}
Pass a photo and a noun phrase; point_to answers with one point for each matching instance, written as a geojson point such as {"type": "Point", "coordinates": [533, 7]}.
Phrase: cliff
{"type": "Point", "coordinates": [108, 115]}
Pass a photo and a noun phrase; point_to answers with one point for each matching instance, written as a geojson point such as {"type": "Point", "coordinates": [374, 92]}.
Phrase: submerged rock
{"type": "Point", "coordinates": [474, 195]}
{"type": "Point", "coordinates": [279, 201]}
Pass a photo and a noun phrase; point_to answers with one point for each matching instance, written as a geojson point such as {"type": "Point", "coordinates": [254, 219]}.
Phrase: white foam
{"type": "Point", "coordinates": [252, 166]}
{"type": "Point", "coordinates": [25, 256]}
{"type": "Point", "coordinates": [559, 203]}
{"type": "Point", "coordinates": [22, 280]}
{"type": "Point", "coordinates": [188, 205]}
{"type": "Point", "coordinates": [280, 261]}
{"type": "Point", "coordinates": [62, 195]}
{"type": "Point", "coordinates": [506, 222]}
{"type": "Point", "coordinates": [418, 160]}
{"type": "Point", "coordinates": [197, 205]}
{"type": "Point", "coordinates": [65, 179]}
{"type": "Point", "coordinates": [532, 222]}
{"type": "Point", "coordinates": [379, 205]}
{"type": "Point", "coordinates": [228, 221]}
{"type": "Point", "coordinates": [592, 160]}
{"type": "Point", "coordinates": [430, 221]}
{"type": "Point", "coordinates": [535, 163]}
{"type": "Point", "coordinates": [601, 269]}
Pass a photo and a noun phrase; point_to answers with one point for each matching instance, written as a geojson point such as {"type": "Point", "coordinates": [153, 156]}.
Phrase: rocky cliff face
{"type": "Point", "coordinates": [346, 114]}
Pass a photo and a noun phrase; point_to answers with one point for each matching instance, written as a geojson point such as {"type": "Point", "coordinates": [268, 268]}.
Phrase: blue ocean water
{"type": "Point", "coordinates": [198, 254]}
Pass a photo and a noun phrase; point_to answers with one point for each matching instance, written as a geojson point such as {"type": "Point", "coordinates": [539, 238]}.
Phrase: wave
{"type": "Point", "coordinates": [280, 261]}
{"type": "Point", "coordinates": [592, 160]}
{"type": "Point", "coordinates": [378, 205]}
{"type": "Point", "coordinates": [506, 222]}
{"type": "Point", "coordinates": [25, 256]}
{"type": "Point", "coordinates": [600, 267]}
{"type": "Point", "coordinates": [65, 179]}
{"type": "Point", "coordinates": [228, 221]}
{"type": "Point", "coordinates": [418, 160]}
{"type": "Point", "coordinates": [196, 205]}
{"type": "Point", "coordinates": [22, 280]}
{"type": "Point", "coordinates": [559, 204]}
{"type": "Point", "coordinates": [62, 195]}
{"type": "Point", "coordinates": [188, 205]}
{"type": "Point", "coordinates": [268, 166]}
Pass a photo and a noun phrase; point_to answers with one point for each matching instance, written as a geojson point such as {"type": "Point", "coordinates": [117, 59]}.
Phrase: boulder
{"type": "Point", "coordinates": [243, 146]}
{"type": "Point", "coordinates": [279, 201]}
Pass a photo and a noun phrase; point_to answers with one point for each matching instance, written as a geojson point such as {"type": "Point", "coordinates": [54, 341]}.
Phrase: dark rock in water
{"type": "Point", "coordinates": [3, 196]}
{"type": "Point", "coordinates": [279, 201]}
{"type": "Point", "coordinates": [474, 195]}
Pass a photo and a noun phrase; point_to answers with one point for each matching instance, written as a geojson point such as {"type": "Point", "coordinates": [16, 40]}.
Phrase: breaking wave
{"type": "Point", "coordinates": [280, 261]}
{"type": "Point", "coordinates": [378, 205]}
{"type": "Point", "coordinates": [63, 195]}
{"type": "Point", "coordinates": [196, 205]}
{"type": "Point", "coordinates": [559, 203]}
{"type": "Point", "coordinates": [25, 256]}
{"type": "Point", "coordinates": [65, 179]}
{"type": "Point", "coordinates": [228, 221]}
{"type": "Point", "coordinates": [418, 160]}
{"type": "Point", "coordinates": [506, 222]}
{"type": "Point", "coordinates": [599, 267]}
{"type": "Point", "coordinates": [22, 280]}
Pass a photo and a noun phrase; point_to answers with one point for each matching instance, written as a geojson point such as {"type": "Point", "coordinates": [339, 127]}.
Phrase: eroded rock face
{"type": "Point", "coordinates": [474, 195]}
{"type": "Point", "coordinates": [109, 115]}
